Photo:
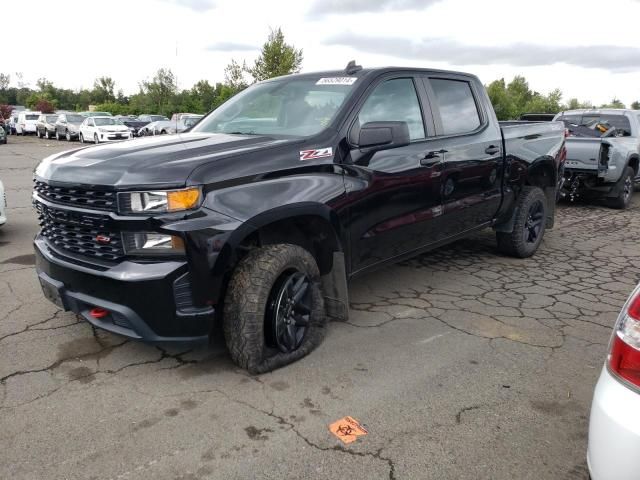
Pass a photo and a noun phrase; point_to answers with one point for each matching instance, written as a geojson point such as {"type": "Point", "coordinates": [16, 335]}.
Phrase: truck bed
{"type": "Point", "coordinates": [532, 140]}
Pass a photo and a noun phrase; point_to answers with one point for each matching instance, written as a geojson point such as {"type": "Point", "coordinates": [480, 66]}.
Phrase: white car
{"type": "Point", "coordinates": [3, 205]}
{"type": "Point", "coordinates": [27, 122]}
{"type": "Point", "coordinates": [103, 129]}
{"type": "Point", "coordinates": [160, 127]}
{"type": "Point", "coordinates": [614, 427]}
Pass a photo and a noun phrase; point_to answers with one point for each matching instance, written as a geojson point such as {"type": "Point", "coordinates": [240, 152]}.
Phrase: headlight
{"type": "Point", "coordinates": [150, 243]}
{"type": "Point", "coordinates": [160, 201]}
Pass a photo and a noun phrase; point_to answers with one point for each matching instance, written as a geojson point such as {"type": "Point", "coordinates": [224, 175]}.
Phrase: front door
{"type": "Point", "coordinates": [394, 194]}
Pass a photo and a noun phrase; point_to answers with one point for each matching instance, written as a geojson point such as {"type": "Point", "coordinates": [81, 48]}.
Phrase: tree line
{"type": "Point", "coordinates": [510, 100]}
{"type": "Point", "coordinates": [161, 95]}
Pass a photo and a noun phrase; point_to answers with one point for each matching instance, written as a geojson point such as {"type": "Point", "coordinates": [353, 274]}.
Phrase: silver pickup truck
{"type": "Point", "coordinates": [603, 150]}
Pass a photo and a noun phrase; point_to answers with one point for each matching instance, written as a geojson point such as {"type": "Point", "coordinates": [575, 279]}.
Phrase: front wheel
{"type": "Point", "coordinates": [274, 310]}
{"type": "Point", "coordinates": [81, 138]}
{"type": "Point", "coordinates": [57, 135]}
{"type": "Point", "coordinates": [68, 136]}
{"type": "Point", "coordinates": [625, 190]}
{"type": "Point", "coordinates": [95, 138]}
{"type": "Point", "coordinates": [528, 227]}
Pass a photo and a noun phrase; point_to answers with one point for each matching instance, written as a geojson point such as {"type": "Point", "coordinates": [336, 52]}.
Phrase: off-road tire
{"type": "Point", "coordinates": [245, 305]}
{"type": "Point", "coordinates": [623, 200]}
{"type": "Point", "coordinates": [513, 243]}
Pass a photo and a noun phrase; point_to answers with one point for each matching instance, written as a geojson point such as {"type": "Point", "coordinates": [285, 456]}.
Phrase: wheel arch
{"type": "Point", "coordinates": [543, 173]}
{"type": "Point", "coordinates": [310, 225]}
{"type": "Point", "coordinates": [634, 162]}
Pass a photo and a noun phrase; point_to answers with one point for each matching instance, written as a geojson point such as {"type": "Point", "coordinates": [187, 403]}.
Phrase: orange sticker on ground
{"type": "Point", "coordinates": [347, 429]}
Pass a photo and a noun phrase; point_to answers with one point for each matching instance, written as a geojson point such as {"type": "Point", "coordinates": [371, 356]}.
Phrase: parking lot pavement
{"type": "Point", "coordinates": [461, 363]}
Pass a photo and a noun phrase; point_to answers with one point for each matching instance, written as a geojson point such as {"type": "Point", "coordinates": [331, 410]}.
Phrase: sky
{"type": "Point", "coordinates": [589, 49]}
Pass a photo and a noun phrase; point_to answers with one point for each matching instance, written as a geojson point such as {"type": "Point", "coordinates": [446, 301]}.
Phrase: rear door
{"type": "Point", "coordinates": [471, 142]}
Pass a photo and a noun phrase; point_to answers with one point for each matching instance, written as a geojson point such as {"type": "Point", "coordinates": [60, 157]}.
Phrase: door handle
{"type": "Point", "coordinates": [491, 150]}
{"type": "Point", "coordinates": [432, 158]}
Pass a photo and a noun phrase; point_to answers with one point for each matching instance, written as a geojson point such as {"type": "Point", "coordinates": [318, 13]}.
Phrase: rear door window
{"type": "Point", "coordinates": [457, 105]}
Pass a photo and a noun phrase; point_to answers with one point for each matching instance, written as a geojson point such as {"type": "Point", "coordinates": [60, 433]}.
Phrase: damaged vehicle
{"type": "Point", "coordinates": [257, 217]}
{"type": "Point", "coordinates": [603, 150]}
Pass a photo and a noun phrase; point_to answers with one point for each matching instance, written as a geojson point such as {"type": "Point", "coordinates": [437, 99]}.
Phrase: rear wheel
{"type": "Point", "coordinates": [529, 225]}
{"type": "Point", "coordinates": [625, 190]}
{"type": "Point", "coordinates": [274, 310]}
{"type": "Point", "coordinates": [81, 138]}
{"type": "Point", "coordinates": [57, 135]}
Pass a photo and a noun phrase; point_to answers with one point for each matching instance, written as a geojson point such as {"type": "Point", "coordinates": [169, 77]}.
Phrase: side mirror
{"type": "Point", "coordinates": [383, 135]}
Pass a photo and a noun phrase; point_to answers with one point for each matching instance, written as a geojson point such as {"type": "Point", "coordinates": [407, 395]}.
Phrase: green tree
{"type": "Point", "coordinates": [575, 104]}
{"type": "Point", "coordinates": [276, 58]}
{"type": "Point", "coordinates": [160, 91]}
{"type": "Point", "coordinates": [614, 103]}
{"type": "Point", "coordinates": [5, 80]}
{"type": "Point", "coordinates": [500, 99]}
{"type": "Point", "coordinates": [103, 90]}
{"type": "Point", "coordinates": [635, 105]}
{"type": "Point", "coordinates": [234, 76]}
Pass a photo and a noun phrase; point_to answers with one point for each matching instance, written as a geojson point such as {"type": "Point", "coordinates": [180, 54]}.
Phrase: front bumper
{"type": "Point", "coordinates": [142, 299]}
{"type": "Point", "coordinates": [114, 137]}
{"type": "Point", "coordinates": [614, 431]}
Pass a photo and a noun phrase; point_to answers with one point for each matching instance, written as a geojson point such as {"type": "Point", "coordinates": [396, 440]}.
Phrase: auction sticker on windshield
{"type": "Point", "coordinates": [336, 81]}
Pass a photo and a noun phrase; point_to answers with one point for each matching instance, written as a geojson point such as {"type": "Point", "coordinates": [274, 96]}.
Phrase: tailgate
{"type": "Point", "coordinates": [583, 153]}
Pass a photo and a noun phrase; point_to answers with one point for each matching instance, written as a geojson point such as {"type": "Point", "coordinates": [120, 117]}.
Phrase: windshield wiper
{"type": "Point", "coordinates": [243, 133]}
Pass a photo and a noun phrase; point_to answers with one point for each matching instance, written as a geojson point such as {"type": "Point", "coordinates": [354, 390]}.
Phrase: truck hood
{"type": "Point", "coordinates": [160, 161]}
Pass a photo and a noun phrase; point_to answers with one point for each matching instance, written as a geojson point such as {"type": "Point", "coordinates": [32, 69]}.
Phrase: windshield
{"type": "Point", "coordinates": [297, 107]}
{"type": "Point", "coordinates": [596, 125]}
{"type": "Point", "coordinates": [100, 122]}
{"type": "Point", "coordinates": [75, 118]}
{"type": "Point", "coordinates": [158, 118]}
{"type": "Point", "coordinates": [31, 117]}
{"type": "Point", "coordinates": [52, 118]}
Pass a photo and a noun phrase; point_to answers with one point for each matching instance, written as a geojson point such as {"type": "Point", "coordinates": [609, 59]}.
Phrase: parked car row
{"type": "Point", "coordinates": [98, 127]}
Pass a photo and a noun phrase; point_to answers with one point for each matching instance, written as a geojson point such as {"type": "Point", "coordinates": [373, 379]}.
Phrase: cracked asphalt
{"type": "Point", "coordinates": [462, 364]}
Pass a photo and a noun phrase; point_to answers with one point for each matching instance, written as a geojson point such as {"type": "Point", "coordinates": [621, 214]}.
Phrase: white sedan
{"type": "Point", "coordinates": [3, 205]}
{"type": "Point", "coordinates": [103, 129]}
{"type": "Point", "coordinates": [614, 427]}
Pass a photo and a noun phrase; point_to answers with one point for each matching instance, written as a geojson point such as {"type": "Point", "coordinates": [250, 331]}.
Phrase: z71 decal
{"type": "Point", "coordinates": [317, 153]}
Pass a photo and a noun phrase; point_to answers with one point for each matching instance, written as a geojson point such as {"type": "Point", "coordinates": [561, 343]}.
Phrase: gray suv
{"type": "Point", "coordinates": [603, 152]}
{"type": "Point", "coordinates": [46, 126]}
{"type": "Point", "coordinates": [68, 126]}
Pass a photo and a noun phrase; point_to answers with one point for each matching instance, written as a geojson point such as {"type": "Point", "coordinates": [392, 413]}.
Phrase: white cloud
{"type": "Point", "coordinates": [198, 38]}
{"type": "Point", "coordinates": [197, 5]}
{"type": "Point", "coordinates": [359, 6]}
{"type": "Point", "coordinates": [227, 46]}
{"type": "Point", "coordinates": [608, 57]}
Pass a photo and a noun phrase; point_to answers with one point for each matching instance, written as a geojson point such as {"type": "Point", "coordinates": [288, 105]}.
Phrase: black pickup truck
{"type": "Point", "coordinates": [258, 217]}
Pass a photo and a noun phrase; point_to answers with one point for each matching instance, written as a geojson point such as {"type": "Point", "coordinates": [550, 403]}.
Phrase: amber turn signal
{"type": "Point", "coordinates": [183, 199]}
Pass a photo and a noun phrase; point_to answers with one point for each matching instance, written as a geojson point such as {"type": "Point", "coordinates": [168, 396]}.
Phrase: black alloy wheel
{"type": "Point", "coordinates": [533, 224]}
{"type": "Point", "coordinates": [288, 311]}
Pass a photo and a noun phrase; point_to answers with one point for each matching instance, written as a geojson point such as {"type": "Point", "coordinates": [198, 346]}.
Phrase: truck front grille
{"type": "Point", "coordinates": [87, 235]}
{"type": "Point", "coordinates": [77, 196]}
